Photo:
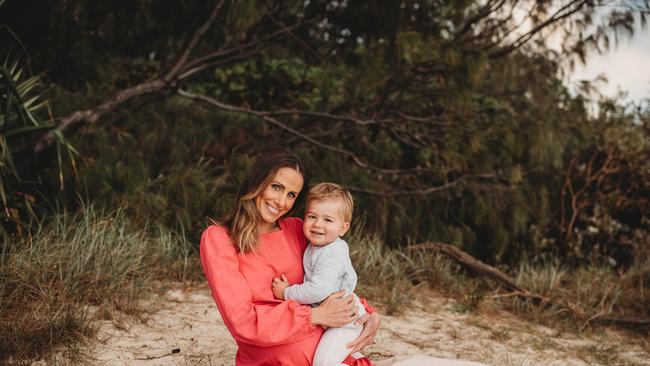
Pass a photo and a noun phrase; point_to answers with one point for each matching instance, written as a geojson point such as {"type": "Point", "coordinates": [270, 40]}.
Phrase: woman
{"type": "Point", "coordinates": [256, 243]}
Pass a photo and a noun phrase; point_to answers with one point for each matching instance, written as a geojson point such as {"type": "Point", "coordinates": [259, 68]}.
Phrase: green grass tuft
{"type": "Point", "coordinates": [48, 280]}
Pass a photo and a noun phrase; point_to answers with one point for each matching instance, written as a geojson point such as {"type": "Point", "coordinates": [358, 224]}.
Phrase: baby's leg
{"type": "Point", "coordinates": [331, 348]}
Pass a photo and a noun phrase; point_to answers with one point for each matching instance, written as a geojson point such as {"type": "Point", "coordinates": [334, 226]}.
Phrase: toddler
{"type": "Point", "coordinates": [327, 265]}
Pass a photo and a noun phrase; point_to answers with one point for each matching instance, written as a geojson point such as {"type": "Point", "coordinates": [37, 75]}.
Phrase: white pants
{"type": "Point", "coordinates": [423, 360]}
{"type": "Point", "coordinates": [332, 350]}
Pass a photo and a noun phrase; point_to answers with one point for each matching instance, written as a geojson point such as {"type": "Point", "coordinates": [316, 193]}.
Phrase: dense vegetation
{"type": "Point", "coordinates": [449, 120]}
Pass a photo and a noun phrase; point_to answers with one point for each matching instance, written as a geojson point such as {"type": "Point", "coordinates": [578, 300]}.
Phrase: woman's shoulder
{"type": "Point", "coordinates": [215, 233]}
{"type": "Point", "coordinates": [215, 228]}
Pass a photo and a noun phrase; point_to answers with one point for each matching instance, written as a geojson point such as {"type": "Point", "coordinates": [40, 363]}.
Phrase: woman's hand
{"type": "Point", "coordinates": [370, 327]}
{"type": "Point", "coordinates": [335, 311]}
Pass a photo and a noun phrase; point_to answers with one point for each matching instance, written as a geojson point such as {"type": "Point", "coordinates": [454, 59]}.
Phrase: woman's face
{"type": "Point", "coordinates": [278, 197]}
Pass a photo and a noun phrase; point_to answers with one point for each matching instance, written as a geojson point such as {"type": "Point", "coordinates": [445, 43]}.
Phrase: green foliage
{"type": "Point", "coordinates": [435, 89]}
{"type": "Point", "coordinates": [430, 88]}
{"type": "Point", "coordinates": [21, 103]}
{"type": "Point", "coordinates": [157, 173]}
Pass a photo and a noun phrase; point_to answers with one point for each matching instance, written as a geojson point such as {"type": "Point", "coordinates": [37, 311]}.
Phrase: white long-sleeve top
{"type": "Point", "coordinates": [327, 269]}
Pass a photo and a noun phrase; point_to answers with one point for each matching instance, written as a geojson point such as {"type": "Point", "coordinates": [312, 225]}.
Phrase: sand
{"type": "Point", "coordinates": [184, 328]}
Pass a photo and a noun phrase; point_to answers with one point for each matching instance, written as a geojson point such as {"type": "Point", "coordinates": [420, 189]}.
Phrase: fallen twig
{"type": "Point", "coordinates": [173, 352]}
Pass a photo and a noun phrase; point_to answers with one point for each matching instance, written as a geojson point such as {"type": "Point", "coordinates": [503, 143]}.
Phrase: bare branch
{"type": "Point", "coordinates": [181, 70]}
{"type": "Point", "coordinates": [488, 32]}
{"type": "Point", "coordinates": [198, 35]}
{"type": "Point", "coordinates": [564, 12]}
{"type": "Point", "coordinates": [429, 119]}
{"type": "Point", "coordinates": [298, 39]}
{"type": "Point", "coordinates": [234, 50]}
{"type": "Point", "coordinates": [191, 71]}
{"type": "Point", "coordinates": [266, 117]}
{"type": "Point", "coordinates": [361, 122]}
{"type": "Point", "coordinates": [420, 192]}
{"type": "Point", "coordinates": [93, 114]}
{"type": "Point", "coordinates": [485, 11]}
{"type": "Point", "coordinates": [472, 263]}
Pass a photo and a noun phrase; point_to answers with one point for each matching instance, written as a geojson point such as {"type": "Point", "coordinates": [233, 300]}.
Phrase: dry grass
{"type": "Point", "coordinates": [595, 291]}
{"type": "Point", "coordinates": [48, 280]}
{"type": "Point", "coordinates": [393, 277]}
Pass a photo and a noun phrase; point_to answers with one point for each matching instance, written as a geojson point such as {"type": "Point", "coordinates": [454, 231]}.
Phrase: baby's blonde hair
{"type": "Point", "coordinates": [333, 191]}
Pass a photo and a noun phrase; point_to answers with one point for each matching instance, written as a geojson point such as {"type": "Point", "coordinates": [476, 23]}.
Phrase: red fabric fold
{"type": "Point", "coordinates": [363, 361]}
{"type": "Point", "coordinates": [369, 309]}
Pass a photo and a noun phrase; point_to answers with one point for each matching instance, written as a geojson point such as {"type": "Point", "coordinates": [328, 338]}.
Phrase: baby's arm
{"type": "Point", "coordinates": [325, 279]}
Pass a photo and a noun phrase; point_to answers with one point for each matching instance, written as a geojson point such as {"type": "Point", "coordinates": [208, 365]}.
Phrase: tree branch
{"type": "Point", "coordinates": [266, 116]}
{"type": "Point", "coordinates": [198, 35]}
{"type": "Point", "coordinates": [181, 70]}
{"type": "Point", "coordinates": [564, 12]}
{"type": "Point", "coordinates": [187, 72]}
{"type": "Point", "coordinates": [485, 11]}
{"type": "Point", "coordinates": [93, 114]}
{"type": "Point", "coordinates": [229, 51]}
{"type": "Point", "coordinates": [412, 192]}
{"type": "Point", "coordinates": [358, 121]}
{"type": "Point", "coordinates": [298, 39]}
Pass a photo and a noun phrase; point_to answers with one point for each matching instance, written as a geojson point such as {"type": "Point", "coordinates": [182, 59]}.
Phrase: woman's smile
{"type": "Point", "coordinates": [272, 210]}
{"type": "Point", "coordinates": [278, 197]}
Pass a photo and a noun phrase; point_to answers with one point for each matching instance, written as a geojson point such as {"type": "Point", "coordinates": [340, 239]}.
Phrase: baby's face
{"type": "Point", "coordinates": [324, 222]}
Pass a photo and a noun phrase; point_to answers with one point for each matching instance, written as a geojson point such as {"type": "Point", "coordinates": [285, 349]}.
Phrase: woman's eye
{"type": "Point", "coordinates": [275, 186]}
{"type": "Point", "coordinates": [292, 195]}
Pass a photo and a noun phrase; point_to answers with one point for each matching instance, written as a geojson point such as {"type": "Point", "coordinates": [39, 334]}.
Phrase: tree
{"type": "Point", "coordinates": [450, 116]}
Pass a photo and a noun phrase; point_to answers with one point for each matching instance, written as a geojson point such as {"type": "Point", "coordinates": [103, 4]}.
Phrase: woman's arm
{"type": "Point", "coordinates": [258, 324]}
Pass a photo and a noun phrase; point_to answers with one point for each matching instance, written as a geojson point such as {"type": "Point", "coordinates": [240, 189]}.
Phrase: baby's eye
{"type": "Point", "coordinates": [311, 216]}
{"type": "Point", "coordinates": [329, 220]}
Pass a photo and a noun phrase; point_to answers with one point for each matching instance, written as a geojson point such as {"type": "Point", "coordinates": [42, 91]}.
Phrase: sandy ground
{"type": "Point", "coordinates": [186, 329]}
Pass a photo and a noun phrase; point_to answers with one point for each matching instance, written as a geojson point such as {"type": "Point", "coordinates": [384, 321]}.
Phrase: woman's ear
{"type": "Point", "coordinates": [344, 228]}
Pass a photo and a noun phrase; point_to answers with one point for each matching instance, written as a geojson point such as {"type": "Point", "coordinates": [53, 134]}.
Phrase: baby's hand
{"type": "Point", "coordinates": [279, 284]}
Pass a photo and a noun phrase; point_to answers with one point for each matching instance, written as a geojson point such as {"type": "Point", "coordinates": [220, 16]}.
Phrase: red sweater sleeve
{"type": "Point", "coordinates": [262, 324]}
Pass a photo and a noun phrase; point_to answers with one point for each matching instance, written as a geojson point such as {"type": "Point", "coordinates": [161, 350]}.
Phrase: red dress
{"type": "Point", "coordinates": [268, 331]}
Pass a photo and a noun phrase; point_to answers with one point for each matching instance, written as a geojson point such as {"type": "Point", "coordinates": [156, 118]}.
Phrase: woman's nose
{"type": "Point", "coordinates": [282, 201]}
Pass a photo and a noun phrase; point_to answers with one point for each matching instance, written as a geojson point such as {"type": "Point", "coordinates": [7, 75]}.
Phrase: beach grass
{"type": "Point", "coordinates": [51, 280]}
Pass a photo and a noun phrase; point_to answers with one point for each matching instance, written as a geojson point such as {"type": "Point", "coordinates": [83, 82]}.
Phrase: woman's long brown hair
{"type": "Point", "coordinates": [244, 220]}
